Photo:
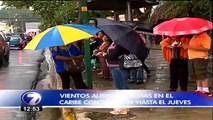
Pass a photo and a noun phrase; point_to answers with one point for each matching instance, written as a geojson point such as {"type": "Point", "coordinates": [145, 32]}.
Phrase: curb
{"type": "Point", "coordinates": [51, 80]}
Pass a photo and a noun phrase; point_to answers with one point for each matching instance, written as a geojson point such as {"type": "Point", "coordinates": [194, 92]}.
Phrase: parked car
{"type": "Point", "coordinates": [4, 49]}
{"type": "Point", "coordinates": [16, 41]}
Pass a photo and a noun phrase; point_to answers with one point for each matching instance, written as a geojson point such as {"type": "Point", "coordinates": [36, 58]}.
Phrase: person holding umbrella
{"type": "Point", "coordinates": [127, 42]}
{"type": "Point", "coordinates": [118, 72]}
{"type": "Point", "coordinates": [198, 49]}
{"type": "Point", "coordinates": [177, 58]}
{"type": "Point", "coordinates": [60, 55]}
{"type": "Point", "coordinates": [198, 46]}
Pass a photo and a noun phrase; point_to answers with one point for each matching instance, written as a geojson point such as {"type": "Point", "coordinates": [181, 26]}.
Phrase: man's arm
{"type": "Point", "coordinates": [195, 48]}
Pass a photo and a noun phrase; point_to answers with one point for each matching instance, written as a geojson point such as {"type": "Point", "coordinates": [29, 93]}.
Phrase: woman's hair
{"type": "Point", "coordinates": [106, 39]}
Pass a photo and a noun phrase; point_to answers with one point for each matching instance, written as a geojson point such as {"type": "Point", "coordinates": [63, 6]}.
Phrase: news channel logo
{"type": "Point", "coordinates": [31, 98]}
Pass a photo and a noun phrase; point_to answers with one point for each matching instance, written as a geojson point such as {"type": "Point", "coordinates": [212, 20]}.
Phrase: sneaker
{"type": "Point", "coordinates": [119, 112]}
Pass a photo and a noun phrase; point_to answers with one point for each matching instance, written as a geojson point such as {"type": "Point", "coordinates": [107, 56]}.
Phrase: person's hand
{"type": "Point", "coordinates": [104, 53]}
{"type": "Point", "coordinates": [99, 54]}
{"type": "Point", "coordinates": [169, 46]}
{"type": "Point", "coordinates": [180, 45]}
{"type": "Point", "coordinates": [94, 54]}
{"type": "Point", "coordinates": [95, 51]}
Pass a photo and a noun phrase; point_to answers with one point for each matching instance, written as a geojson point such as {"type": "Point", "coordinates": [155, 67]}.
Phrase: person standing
{"type": "Point", "coordinates": [198, 49]}
{"type": "Point", "coordinates": [148, 46]}
{"type": "Point", "coordinates": [62, 54]}
{"type": "Point", "coordinates": [119, 74]}
{"type": "Point", "coordinates": [105, 73]}
{"type": "Point", "coordinates": [177, 58]}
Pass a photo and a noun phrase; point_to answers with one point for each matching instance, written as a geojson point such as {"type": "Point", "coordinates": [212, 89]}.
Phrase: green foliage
{"type": "Point", "coordinates": [13, 13]}
{"type": "Point", "coordinates": [18, 4]}
{"type": "Point", "coordinates": [52, 12]}
{"type": "Point", "coordinates": [201, 8]}
{"type": "Point", "coordinates": [67, 13]}
{"type": "Point", "coordinates": [143, 16]}
{"type": "Point", "coordinates": [17, 17]}
{"type": "Point", "coordinates": [171, 9]}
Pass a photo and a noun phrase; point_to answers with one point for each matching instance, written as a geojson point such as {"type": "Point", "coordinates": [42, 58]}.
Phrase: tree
{"type": "Point", "coordinates": [55, 12]}
{"type": "Point", "coordinates": [52, 12]}
{"type": "Point", "coordinates": [171, 9]}
{"type": "Point", "coordinates": [143, 16]}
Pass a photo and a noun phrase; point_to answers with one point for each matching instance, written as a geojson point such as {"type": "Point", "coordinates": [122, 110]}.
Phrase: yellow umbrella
{"type": "Point", "coordinates": [61, 35]}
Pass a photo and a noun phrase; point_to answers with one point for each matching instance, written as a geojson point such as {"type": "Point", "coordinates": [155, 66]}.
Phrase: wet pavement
{"type": "Point", "coordinates": [19, 74]}
{"type": "Point", "coordinates": [159, 81]}
{"type": "Point", "coordinates": [21, 70]}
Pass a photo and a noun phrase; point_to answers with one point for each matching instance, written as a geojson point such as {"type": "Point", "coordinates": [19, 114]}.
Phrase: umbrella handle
{"type": "Point", "coordinates": [135, 27]}
{"type": "Point", "coordinates": [70, 55]}
{"type": "Point", "coordinates": [162, 36]}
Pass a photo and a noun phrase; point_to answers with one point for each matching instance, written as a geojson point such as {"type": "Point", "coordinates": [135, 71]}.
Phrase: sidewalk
{"type": "Point", "coordinates": [159, 81]}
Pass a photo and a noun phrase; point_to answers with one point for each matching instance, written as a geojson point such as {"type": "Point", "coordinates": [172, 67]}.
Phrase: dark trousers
{"type": "Point", "coordinates": [145, 67]}
{"type": "Point", "coordinates": [77, 77]}
{"type": "Point", "coordinates": [179, 72]}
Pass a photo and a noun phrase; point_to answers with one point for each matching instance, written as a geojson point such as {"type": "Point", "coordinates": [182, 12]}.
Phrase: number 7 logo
{"type": "Point", "coordinates": [31, 98]}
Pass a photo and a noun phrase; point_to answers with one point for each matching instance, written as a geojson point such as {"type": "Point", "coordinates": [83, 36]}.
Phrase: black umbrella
{"type": "Point", "coordinates": [144, 27]}
{"type": "Point", "coordinates": [124, 36]}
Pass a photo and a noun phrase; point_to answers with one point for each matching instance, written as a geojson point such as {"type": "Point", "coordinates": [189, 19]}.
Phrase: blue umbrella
{"type": "Point", "coordinates": [61, 35]}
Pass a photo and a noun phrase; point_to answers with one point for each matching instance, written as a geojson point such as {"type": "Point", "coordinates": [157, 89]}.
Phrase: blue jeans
{"type": "Point", "coordinates": [120, 77]}
{"type": "Point", "coordinates": [136, 74]}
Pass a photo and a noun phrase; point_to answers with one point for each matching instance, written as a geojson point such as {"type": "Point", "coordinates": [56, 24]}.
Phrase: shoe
{"type": "Point", "coordinates": [131, 81]}
{"type": "Point", "coordinates": [198, 91]}
{"type": "Point", "coordinates": [119, 112]}
{"type": "Point", "coordinates": [139, 82]}
{"type": "Point", "coordinates": [206, 93]}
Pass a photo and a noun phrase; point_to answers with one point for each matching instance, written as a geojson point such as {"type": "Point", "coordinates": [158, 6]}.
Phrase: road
{"type": "Point", "coordinates": [19, 74]}
{"type": "Point", "coordinates": [159, 81]}
{"type": "Point", "coordinates": [21, 70]}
